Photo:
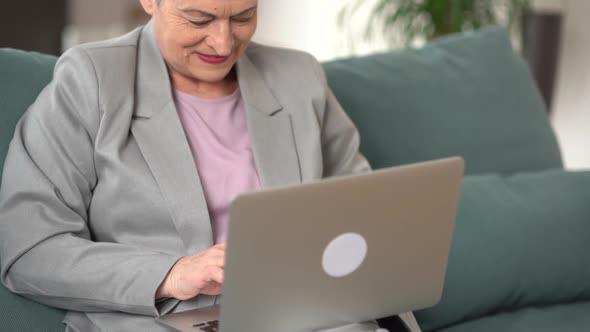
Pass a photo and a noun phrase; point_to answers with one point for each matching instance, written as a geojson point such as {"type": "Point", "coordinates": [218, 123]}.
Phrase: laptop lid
{"type": "Point", "coordinates": [340, 250]}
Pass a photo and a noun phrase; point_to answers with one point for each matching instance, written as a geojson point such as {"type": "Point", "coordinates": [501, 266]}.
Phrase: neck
{"type": "Point", "coordinates": [211, 90]}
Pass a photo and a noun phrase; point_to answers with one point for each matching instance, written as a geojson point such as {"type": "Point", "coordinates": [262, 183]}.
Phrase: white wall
{"type": "Point", "coordinates": [572, 101]}
{"type": "Point", "coordinates": [281, 23]}
{"type": "Point", "coordinates": [311, 25]}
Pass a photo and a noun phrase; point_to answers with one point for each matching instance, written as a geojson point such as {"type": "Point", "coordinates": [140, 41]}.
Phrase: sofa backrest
{"type": "Point", "coordinates": [22, 77]}
{"type": "Point", "coordinates": [522, 230]}
{"type": "Point", "coordinates": [467, 94]}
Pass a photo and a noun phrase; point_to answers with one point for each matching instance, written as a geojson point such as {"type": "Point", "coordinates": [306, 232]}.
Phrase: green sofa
{"type": "Point", "coordinates": [519, 257]}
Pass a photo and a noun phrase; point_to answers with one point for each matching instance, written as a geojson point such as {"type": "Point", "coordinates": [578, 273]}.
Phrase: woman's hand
{"type": "Point", "coordinates": [201, 273]}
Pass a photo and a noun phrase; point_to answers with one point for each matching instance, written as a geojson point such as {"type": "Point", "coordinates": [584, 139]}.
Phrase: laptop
{"type": "Point", "coordinates": [334, 252]}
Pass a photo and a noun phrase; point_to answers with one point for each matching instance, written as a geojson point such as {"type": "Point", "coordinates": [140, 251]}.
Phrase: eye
{"type": "Point", "coordinates": [245, 18]}
{"type": "Point", "coordinates": [200, 24]}
{"type": "Point", "coordinates": [242, 19]}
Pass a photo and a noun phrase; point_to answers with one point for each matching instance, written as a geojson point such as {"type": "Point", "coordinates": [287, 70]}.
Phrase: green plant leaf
{"type": "Point", "coordinates": [431, 18]}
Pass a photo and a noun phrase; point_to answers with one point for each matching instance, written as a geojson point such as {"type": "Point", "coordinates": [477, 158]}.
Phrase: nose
{"type": "Point", "coordinates": [221, 38]}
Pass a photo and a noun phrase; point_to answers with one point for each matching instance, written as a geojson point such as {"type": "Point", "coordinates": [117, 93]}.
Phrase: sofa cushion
{"type": "Point", "coordinates": [23, 76]}
{"type": "Point", "coordinates": [519, 241]}
{"type": "Point", "coordinates": [563, 318]}
{"type": "Point", "coordinates": [467, 95]}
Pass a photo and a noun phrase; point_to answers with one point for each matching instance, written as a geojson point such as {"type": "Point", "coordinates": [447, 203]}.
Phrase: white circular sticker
{"type": "Point", "coordinates": [344, 255]}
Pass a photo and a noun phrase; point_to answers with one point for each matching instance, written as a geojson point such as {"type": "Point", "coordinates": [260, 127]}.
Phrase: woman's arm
{"type": "Point", "coordinates": [340, 138]}
{"type": "Point", "coordinates": [46, 248]}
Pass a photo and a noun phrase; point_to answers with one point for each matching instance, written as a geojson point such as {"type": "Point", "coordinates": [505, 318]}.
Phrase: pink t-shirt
{"type": "Point", "coordinates": [217, 132]}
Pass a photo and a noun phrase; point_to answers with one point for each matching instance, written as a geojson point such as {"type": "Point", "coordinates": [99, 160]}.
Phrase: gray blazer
{"type": "Point", "coordinates": [100, 195]}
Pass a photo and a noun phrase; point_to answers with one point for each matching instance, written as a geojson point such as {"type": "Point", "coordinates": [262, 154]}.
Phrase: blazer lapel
{"type": "Point", "coordinates": [270, 128]}
{"type": "Point", "coordinates": [163, 143]}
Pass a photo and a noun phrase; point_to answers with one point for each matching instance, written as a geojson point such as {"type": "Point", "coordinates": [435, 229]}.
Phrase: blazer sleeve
{"type": "Point", "coordinates": [340, 137]}
{"type": "Point", "coordinates": [46, 249]}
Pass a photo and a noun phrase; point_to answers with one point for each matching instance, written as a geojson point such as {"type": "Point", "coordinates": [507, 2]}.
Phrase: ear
{"type": "Point", "coordinates": [149, 6]}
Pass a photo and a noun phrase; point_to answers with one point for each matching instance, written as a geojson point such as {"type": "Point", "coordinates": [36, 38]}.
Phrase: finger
{"type": "Point", "coordinates": [212, 289]}
{"type": "Point", "coordinates": [215, 254]}
{"type": "Point", "coordinates": [219, 250]}
{"type": "Point", "coordinates": [216, 275]}
{"type": "Point", "coordinates": [220, 246]}
{"type": "Point", "coordinates": [216, 261]}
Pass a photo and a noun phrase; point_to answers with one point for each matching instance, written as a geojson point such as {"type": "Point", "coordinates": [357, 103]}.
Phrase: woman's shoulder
{"type": "Point", "coordinates": [257, 49]}
{"type": "Point", "coordinates": [130, 39]}
{"type": "Point", "coordinates": [105, 53]}
{"type": "Point", "coordinates": [107, 68]}
{"type": "Point", "coordinates": [287, 68]}
{"type": "Point", "coordinates": [281, 57]}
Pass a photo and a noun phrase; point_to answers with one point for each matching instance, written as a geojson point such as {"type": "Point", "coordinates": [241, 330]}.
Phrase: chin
{"type": "Point", "coordinates": [214, 77]}
{"type": "Point", "coordinates": [209, 79]}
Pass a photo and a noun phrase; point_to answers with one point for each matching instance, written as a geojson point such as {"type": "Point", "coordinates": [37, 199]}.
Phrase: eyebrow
{"type": "Point", "coordinates": [198, 11]}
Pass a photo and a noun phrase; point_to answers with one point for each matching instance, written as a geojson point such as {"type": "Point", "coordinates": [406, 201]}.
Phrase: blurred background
{"type": "Point", "coordinates": [552, 35]}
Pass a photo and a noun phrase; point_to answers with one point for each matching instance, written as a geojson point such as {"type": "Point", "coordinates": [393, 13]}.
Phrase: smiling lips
{"type": "Point", "coordinates": [212, 59]}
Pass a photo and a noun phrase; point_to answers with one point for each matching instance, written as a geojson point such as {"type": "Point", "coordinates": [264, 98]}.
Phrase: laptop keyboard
{"type": "Point", "coordinates": [207, 326]}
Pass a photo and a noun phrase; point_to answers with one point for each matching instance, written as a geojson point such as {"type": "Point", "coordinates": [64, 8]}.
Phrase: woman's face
{"type": "Point", "coordinates": [201, 40]}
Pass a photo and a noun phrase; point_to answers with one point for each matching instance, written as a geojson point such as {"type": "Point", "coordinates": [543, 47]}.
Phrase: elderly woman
{"type": "Point", "coordinates": [116, 188]}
